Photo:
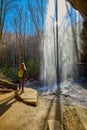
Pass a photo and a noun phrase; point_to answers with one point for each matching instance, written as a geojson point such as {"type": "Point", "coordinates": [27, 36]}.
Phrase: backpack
{"type": "Point", "coordinates": [20, 73]}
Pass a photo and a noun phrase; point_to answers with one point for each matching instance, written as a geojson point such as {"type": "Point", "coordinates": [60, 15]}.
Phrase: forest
{"type": "Point", "coordinates": [21, 29]}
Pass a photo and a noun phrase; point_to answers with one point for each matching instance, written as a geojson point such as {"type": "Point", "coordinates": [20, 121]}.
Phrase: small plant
{"type": "Point", "coordinates": [10, 73]}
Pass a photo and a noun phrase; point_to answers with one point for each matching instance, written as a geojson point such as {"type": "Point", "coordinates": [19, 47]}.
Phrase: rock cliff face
{"type": "Point", "coordinates": [80, 5]}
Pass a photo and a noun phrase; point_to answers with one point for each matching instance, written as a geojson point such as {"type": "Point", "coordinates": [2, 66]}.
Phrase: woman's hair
{"type": "Point", "coordinates": [23, 66]}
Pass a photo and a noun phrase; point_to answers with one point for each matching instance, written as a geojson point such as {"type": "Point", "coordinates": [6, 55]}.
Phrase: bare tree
{"type": "Point", "coordinates": [5, 6]}
{"type": "Point", "coordinates": [37, 13]}
{"type": "Point", "coordinates": [19, 24]}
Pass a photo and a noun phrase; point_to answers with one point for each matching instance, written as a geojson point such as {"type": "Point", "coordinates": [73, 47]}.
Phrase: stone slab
{"type": "Point", "coordinates": [29, 96]}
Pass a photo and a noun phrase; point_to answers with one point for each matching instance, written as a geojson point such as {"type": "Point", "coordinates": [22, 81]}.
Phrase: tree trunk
{"type": "Point", "coordinates": [0, 44]}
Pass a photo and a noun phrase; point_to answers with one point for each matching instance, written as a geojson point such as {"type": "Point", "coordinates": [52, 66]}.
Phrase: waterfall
{"type": "Point", "coordinates": [69, 28]}
{"type": "Point", "coordinates": [48, 69]}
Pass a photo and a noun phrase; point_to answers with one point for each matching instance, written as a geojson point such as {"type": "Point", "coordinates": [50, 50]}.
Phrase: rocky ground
{"type": "Point", "coordinates": [69, 111]}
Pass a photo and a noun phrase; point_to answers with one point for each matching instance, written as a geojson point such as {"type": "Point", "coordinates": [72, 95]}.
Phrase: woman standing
{"type": "Point", "coordinates": [22, 76]}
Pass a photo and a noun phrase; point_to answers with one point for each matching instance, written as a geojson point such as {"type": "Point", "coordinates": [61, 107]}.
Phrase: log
{"type": "Point", "coordinates": [5, 90]}
{"type": "Point", "coordinates": [7, 84]}
{"type": "Point", "coordinates": [5, 97]}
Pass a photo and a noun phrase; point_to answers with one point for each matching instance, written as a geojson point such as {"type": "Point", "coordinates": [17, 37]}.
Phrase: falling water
{"type": "Point", "coordinates": [68, 42]}
{"type": "Point", "coordinates": [69, 29]}
{"type": "Point", "coordinates": [48, 68]}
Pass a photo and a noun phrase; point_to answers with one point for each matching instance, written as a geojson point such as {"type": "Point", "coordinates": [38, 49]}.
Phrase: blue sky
{"type": "Point", "coordinates": [10, 15]}
{"type": "Point", "coordinates": [71, 13]}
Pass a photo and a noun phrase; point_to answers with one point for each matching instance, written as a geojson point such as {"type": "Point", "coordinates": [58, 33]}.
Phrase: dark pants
{"type": "Point", "coordinates": [21, 83]}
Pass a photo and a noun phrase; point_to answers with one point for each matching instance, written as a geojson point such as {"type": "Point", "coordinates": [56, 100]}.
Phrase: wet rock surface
{"type": "Point", "coordinates": [74, 118]}
{"type": "Point", "coordinates": [69, 109]}
{"type": "Point", "coordinates": [15, 115]}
